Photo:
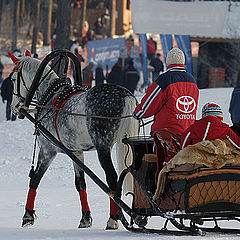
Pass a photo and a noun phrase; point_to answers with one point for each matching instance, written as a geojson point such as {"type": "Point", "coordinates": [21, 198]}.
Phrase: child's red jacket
{"type": "Point", "coordinates": [209, 128]}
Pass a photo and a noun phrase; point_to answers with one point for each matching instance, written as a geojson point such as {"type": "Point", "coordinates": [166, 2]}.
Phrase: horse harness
{"type": "Point", "coordinates": [19, 79]}
{"type": "Point", "coordinates": [68, 90]}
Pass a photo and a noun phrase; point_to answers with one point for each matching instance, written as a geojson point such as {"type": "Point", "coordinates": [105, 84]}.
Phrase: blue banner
{"type": "Point", "coordinates": [167, 44]}
{"type": "Point", "coordinates": [105, 52]}
{"type": "Point", "coordinates": [143, 40]}
{"type": "Point", "coordinates": [184, 44]}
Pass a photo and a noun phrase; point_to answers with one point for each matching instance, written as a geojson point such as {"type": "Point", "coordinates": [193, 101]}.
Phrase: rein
{"type": "Point", "coordinates": [18, 94]}
{"type": "Point", "coordinates": [77, 114]}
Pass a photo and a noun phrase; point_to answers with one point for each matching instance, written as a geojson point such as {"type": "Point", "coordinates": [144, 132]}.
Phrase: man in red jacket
{"type": "Point", "coordinates": [209, 127]}
{"type": "Point", "coordinates": [172, 99]}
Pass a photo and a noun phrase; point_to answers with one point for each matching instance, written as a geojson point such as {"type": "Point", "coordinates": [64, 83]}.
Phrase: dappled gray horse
{"type": "Point", "coordinates": [77, 133]}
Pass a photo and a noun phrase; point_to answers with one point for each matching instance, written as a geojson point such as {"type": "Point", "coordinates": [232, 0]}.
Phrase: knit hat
{"type": "Point", "coordinates": [212, 109]}
{"type": "Point", "coordinates": [175, 56]}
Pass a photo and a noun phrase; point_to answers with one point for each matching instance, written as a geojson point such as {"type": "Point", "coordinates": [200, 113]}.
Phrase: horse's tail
{"type": "Point", "coordinates": [128, 127]}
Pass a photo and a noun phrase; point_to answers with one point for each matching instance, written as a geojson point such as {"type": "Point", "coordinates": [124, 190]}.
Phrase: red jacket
{"type": "Point", "coordinates": [151, 47]}
{"type": "Point", "coordinates": [209, 128]}
{"type": "Point", "coordinates": [172, 99]}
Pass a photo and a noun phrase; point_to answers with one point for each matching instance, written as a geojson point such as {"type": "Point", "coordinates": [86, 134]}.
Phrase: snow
{"type": "Point", "coordinates": [57, 203]}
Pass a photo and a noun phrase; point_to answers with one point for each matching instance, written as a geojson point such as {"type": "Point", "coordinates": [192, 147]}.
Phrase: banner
{"type": "Point", "coordinates": [167, 44]}
{"type": "Point", "coordinates": [105, 52]}
{"type": "Point", "coordinates": [184, 44]}
{"type": "Point", "coordinates": [143, 40]}
{"type": "Point", "coordinates": [208, 19]}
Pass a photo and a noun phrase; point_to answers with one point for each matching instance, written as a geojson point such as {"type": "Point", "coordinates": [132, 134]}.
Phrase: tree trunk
{"type": "Point", "coordinates": [83, 18]}
{"type": "Point", "coordinates": [1, 11]}
{"type": "Point", "coordinates": [36, 26]}
{"type": "Point", "coordinates": [63, 33]}
{"type": "Point", "coordinates": [113, 18]}
{"type": "Point", "coordinates": [47, 21]}
{"type": "Point", "coordinates": [63, 24]}
{"type": "Point", "coordinates": [16, 6]}
{"type": "Point", "coordinates": [22, 12]}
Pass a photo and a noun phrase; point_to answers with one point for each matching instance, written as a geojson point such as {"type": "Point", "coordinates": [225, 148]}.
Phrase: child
{"type": "Point", "coordinates": [209, 127]}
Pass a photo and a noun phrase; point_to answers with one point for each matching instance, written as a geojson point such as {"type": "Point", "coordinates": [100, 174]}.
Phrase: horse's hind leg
{"type": "Point", "coordinates": [45, 158]}
{"type": "Point", "coordinates": [105, 159]}
{"type": "Point", "coordinates": [80, 184]}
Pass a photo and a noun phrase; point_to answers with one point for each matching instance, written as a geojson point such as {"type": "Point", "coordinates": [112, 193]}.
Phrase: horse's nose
{"type": "Point", "coordinates": [17, 112]}
{"type": "Point", "coordinates": [21, 116]}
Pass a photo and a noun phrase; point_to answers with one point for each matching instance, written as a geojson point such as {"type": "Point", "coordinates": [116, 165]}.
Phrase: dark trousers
{"type": "Point", "coordinates": [9, 114]}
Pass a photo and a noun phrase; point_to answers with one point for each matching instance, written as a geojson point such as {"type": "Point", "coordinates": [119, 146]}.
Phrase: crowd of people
{"type": "Point", "coordinates": [122, 74]}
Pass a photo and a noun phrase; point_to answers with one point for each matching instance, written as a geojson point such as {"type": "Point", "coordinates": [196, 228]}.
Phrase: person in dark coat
{"type": "Point", "coordinates": [1, 71]}
{"type": "Point", "coordinates": [98, 26]}
{"type": "Point", "coordinates": [81, 60]}
{"type": "Point", "coordinates": [117, 74]}
{"type": "Point", "coordinates": [99, 76]}
{"type": "Point", "coordinates": [106, 18]}
{"type": "Point", "coordinates": [234, 110]}
{"type": "Point", "coordinates": [6, 93]}
{"type": "Point", "coordinates": [157, 64]}
{"type": "Point", "coordinates": [131, 77]}
{"type": "Point", "coordinates": [88, 75]}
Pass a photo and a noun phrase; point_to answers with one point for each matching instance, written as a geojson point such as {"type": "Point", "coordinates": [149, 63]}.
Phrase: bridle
{"type": "Point", "coordinates": [19, 80]}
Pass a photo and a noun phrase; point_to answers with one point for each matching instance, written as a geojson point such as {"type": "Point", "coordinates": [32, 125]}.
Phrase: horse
{"type": "Point", "coordinates": [77, 133]}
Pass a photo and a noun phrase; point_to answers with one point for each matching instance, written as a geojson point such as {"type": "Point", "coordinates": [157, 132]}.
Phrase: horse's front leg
{"type": "Point", "coordinates": [45, 157]}
{"type": "Point", "coordinates": [80, 184]}
{"type": "Point", "coordinates": [105, 159]}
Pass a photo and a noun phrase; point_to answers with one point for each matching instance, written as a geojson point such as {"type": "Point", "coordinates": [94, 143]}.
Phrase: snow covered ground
{"type": "Point", "coordinates": [57, 203]}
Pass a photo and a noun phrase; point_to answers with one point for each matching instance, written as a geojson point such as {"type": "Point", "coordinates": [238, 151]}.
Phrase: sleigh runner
{"type": "Point", "coordinates": [176, 193]}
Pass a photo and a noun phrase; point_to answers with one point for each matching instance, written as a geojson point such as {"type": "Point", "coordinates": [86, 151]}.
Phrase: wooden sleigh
{"type": "Point", "coordinates": [188, 195]}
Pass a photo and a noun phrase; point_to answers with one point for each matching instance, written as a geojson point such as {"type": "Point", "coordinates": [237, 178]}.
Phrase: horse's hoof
{"type": "Point", "coordinates": [28, 218]}
{"type": "Point", "coordinates": [112, 223]}
{"type": "Point", "coordinates": [86, 220]}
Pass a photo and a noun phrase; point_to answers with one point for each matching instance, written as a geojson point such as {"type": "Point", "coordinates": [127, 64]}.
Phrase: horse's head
{"type": "Point", "coordinates": [23, 76]}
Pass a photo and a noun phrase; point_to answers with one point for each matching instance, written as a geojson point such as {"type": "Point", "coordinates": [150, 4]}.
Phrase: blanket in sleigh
{"type": "Point", "coordinates": [213, 154]}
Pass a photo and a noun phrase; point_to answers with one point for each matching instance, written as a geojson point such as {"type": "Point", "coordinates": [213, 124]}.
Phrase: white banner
{"type": "Point", "coordinates": [199, 18]}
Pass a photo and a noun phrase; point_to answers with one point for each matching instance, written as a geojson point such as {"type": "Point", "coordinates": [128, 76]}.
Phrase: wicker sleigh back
{"type": "Point", "coordinates": [201, 190]}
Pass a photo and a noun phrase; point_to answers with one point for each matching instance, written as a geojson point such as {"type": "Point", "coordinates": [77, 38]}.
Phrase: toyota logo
{"type": "Point", "coordinates": [185, 104]}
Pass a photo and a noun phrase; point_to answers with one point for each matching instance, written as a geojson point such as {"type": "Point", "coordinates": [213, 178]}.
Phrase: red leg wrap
{"type": "Point", "coordinates": [31, 199]}
{"type": "Point", "coordinates": [113, 209]}
{"type": "Point", "coordinates": [84, 202]}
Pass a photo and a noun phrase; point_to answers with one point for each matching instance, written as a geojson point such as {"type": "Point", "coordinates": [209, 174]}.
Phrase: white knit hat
{"type": "Point", "coordinates": [175, 56]}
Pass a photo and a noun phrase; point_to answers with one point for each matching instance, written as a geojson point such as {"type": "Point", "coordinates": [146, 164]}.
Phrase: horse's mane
{"type": "Point", "coordinates": [30, 64]}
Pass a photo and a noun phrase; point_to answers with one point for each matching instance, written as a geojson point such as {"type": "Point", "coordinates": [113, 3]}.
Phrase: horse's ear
{"type": "Point", "coordinates": [27, 53]}
{"type": "Point", "coordinates": [14, 59]}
